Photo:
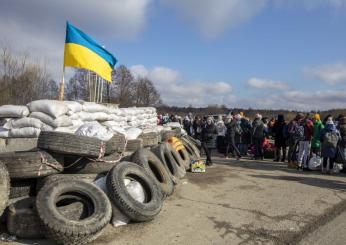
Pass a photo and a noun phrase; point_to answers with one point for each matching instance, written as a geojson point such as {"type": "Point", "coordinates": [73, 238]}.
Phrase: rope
{"type": "Point", "coordinates": [72, 164]}
{"type": "Point", "coordinates": [44, 161]}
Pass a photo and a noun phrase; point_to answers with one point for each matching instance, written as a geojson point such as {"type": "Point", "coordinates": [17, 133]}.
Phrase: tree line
{"type": "Point", "coordinates": [24, 78]}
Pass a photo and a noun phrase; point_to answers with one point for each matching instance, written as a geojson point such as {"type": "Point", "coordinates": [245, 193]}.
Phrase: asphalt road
{"type": "Point", "coordinates": [243, 202]}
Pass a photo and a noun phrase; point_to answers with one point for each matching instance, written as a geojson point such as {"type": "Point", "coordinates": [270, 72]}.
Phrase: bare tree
{"type": "Point", "coordinates": [23, 79]}
{"type": "Point", "coordinates": [121, 90]}
{"type": "Point", "coordinates": [145, 93]}
{"type": "Point", "coordinates": [77, 86]}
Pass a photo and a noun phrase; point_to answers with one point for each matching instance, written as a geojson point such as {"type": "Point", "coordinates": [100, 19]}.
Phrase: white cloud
{"type": "Point", "coordinates": [266, 84]}
{"type": "Point", "coordinates": [175, 90]}
{"type": "Point", "coordinates": [39, 26]}
{"type": "Point", "coordinates": [330, 74]}
{"type": "Point", "coordinates": [213, 17]}
{"type": "Point", "coordinates": [313, 4]}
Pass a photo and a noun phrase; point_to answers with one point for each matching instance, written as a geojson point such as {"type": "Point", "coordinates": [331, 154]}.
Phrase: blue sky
{"type": "Point", "coordinates": [242, 53]}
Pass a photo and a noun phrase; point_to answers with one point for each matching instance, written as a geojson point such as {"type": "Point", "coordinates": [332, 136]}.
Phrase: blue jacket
{"type": "Point", "coordinates": [328, 151]}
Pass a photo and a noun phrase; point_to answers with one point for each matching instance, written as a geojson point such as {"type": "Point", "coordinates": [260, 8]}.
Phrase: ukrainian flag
{"type": "Point", "coordinates": [82, 51]}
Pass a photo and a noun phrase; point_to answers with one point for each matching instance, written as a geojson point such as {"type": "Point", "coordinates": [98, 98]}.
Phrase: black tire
{"type": "Point", "coordinates": [191, 149]}
{"type": "Point", "coordinates": [89, 178]}
{"type": "Point", "coordinates": [185, 157]}
{"type": "Point", "coordinates": [30, 164]}
{"type": "Point", "coordinates": [23, 220]}
{"type": "Point", "coordinates": [68, 231]}
{"type": "Point", "coordinates": [150, 139]}
{"type": "Point", "coordinates": [134, 145]}
{"type": "Point", "coordinates": [78, 165]}
{"type": "Point", "coordinates": [71, 144]}
{"type": "Point", "coordinates": [156, 168]}
{"type": "Point", "coordinates": [164, 153]}
{"type": "Point", "coordinates": [116, 144]}
{"type": "Point", "coordinates": [21, 188]}
{"type": "Point", "coordinates": [4, 187]}
{"type": "Point", "coordinates": [121, 198]}
{"type": "Point", "coordinates": [167, 134]}
{"type": "Point", "coordinates": [179, 161]}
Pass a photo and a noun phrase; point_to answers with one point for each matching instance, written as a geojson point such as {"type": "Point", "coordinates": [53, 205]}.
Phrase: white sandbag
{"type": "Point", "coordinates": [4, 133]}
{"type": "Point", "coordinates": [84, 116]}
{"type": "Point", "coordinates": [174, 125]}
{"type": "Point", "coordinates": [100, 116]}
{"type": "Point", "coordinates": [29, 132]}
{"type": "Point", "coordinates": [62, 121]}
{"type": "Point", "coordinates": [77, 122]}
{"type": "Point", "coordinates": [133, 133]}
{"type": "Point", "coordinates": [94, 107]}
{"type": "Point", "coordinates": [71, 129]}
{"type": "Point", "coordinates": [53, 108]}
{"type": "Point", "coordinates": [14, 111]}
{"type": "Point", "coordinates": [24, 122]}
{"type": "Point", "coordinates": [73, 106]}
{"type": "Point", "coordinates": [46, 127]}
{"type": "Point", "coordinates": [96, 130]}
{"type": "Point", "coordinates": [118, 129]}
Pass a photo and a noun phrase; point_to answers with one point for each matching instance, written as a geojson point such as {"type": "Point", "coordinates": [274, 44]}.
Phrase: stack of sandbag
{"type": "Point", "coordinates": [142, 117]}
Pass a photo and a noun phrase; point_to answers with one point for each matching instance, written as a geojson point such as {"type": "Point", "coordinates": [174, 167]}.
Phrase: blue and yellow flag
{"type": "Point", "coordinates": [82, 51]}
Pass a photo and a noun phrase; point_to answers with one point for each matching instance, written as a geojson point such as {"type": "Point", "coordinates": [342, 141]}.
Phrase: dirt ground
{"type": "Point", "coordinates": [240, 202]}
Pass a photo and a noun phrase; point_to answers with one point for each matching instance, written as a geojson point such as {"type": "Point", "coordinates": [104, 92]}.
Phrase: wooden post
{"type": "Point", "coordinates": [62, 85]}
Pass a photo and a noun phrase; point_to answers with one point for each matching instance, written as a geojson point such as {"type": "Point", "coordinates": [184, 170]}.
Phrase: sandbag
{"type": "Point", "coordinates": [73, 106]}
{"type": "Point", "coordinates": [54, 108]}
{"type": "Point", "coordinates": [95, 130]}
{"type": "Point", "coordinates": [14, 111]}
{"type": "Point", "coordinates": [28, 132]}
{"type": "Point", "coordinates": [62, 121]}
{"type": "Point", "coordinates": [24, 123]}
{"type": "Point", "coordinates": [100, 116]}
{"type": "Point", "coordinates": [94, 107]}
{"type": "Point", "coordinates": [133, 133]}
{"type": "Point", "coordinates": [4, 133]}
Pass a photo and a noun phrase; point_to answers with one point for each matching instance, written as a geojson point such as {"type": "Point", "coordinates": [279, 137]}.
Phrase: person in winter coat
{"type": "Point", "coordinates": [258, 133]}
{"type": "Point", "coordinates": [330, 137]}
{"type": "Point", "coordinates": [246, 135]}
{"type": "Point", "coordinates": [306, 126]}
{"type": "Point", "coordinates": [208, 131]}
{"type": "Point", "coordinates": [316, 143]}
{"type": "Point", "coordinates": [231, 125]}
{"type": "Point", "coordinates": [293, 139]}
{"type": "Point", "coordinates": [187, 124]}
{"type": "Point", "coordinates": [197, 127]}
{"type": "Point", "coordinates": [280, 138]}
{"type": "Point", "coordinates": [221, 132]}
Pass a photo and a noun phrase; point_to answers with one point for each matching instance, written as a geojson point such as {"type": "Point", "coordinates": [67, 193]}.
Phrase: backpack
{"type": "Point", "coordinates": [331, 139]}
{"type": "Point", "coordinates": [299, 133]}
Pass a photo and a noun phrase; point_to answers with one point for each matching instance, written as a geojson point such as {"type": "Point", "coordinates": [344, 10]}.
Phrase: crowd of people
{"type": "Point", "coordinates": [296, 141]}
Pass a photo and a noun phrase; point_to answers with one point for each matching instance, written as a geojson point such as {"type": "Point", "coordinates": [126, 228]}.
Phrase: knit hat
{"type": "Point", "coordinates": [317, 117]}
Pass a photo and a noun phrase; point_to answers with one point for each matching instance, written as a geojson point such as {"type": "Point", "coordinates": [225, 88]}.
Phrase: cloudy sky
{"type": "Point", "coordinates": [241, 53]}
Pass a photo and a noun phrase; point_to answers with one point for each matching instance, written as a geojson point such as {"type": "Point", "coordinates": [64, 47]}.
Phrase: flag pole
{"type": "Point", "coordinates": [101, 89]}
{"type": "Point", "coordinates": [62, 85]}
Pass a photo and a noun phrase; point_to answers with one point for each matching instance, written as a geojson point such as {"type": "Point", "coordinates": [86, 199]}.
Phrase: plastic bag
{"type": "Point", "coordinates": [14, 111]}
{"type": "Point", "coordinates": [53, 108]}
{"type": "Point", "coordinates": [96, 130]}
{"type": "Point", "coordinates": [315, 162]}
{"type": "Point", "coordinates": [133, 133]}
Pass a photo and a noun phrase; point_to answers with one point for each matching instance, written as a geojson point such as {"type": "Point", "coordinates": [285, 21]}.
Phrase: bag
{"type": "Point", "coordinates": [53, 108]}
{"type": "Point", "coordinates": [24, 122]}
{"type": "Point", "coordinates": [95, 130]}
{"type": "Point", "coordinates": [315, 162]}
{"type": "Point", "coordinates": [331, 139]}
{"type": "Point", "coordinates": [13, 111]}
{"type": "Point", "coordinates": [341, 155]}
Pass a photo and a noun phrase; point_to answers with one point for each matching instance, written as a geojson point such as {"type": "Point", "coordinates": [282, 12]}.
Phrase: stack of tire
{"type": "Point", "coordinates": [51, 192]}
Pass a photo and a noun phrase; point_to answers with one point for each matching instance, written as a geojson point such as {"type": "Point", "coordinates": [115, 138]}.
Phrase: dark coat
{"type": "Point", "coordinates": [230, 132]}
{"type": "Point", "coordinates": [257, 129]}
{"type": "Point", "coordinates": [342, 129]}
{"type": "Point", "coordinates": [328, 151]}
{"type": "Point", "coordinates": [208, 131]}
{"type": "Point", "coordinates": [246, 128]}
{"type": "Point", "coordinates": [278, 132]}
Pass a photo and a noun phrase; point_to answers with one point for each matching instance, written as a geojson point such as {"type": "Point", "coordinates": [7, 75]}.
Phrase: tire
{"type": "Point", "coordinates": [68, 231]}
{"type": "Point", "coordinates": [89, 165]}
{"type": "Point", "coordinates": [166, 134]}
{"type": "Point", "coordinates": [179, 161]}
{"type": "Point", "coordinates": [89, 178]}
{"type": "Point", "coordinates": [71, 144]}
{"type": "Point", "coordinates": [180, 148]}
{"type": "Point", "coordinates": [30, 164]}
{"type": "Point", "coordinates": [134, 145]}
{"type": "Point", "coordinates": [24, 222]}
{"type": "Point", "coordinates": [121, 198]}
{"type": "Point", "coordinates": [149, 161]}
{"type": "Point", "coordinates": [21, 188]}
{"type": "Point", "coordinates": [116, 144]}
{"type": "Point", "coordinates": [164, 153]}
{"type": "Point", "coordinates": [197, 143]}
{"type": "Point", "coordinates": [150, 139]}
{"type": "Point", "coordinates": [191, 149]}
{"type": "Point", "coordinates": [4, 187]}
